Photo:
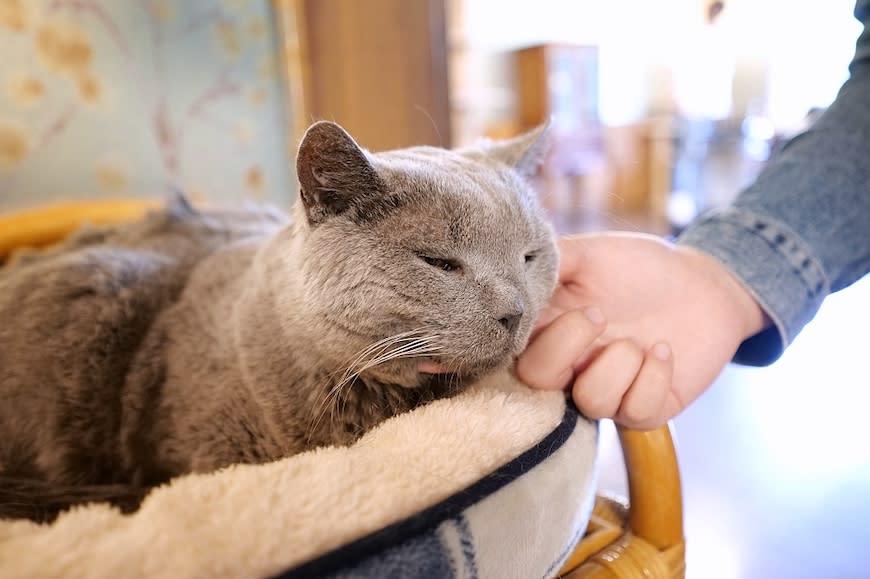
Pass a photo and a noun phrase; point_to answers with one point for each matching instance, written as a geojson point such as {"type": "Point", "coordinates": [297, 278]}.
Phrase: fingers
{"type": "Point", "coordinates": [629, 385]}
{"type": "Point", "coordinates": [550, 359]}
{"type": "Point", "coordinates": [547, 316]}
{"type": "Point", "coordinates": [598, 391]}
{"type": "Point", "coordinates": [619, 381]}
{"type": "Point", "coordinates": [645, 405]}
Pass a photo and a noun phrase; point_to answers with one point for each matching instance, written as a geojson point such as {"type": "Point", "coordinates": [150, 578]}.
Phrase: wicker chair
{"type": "Point", "coordinates": [638, 538]}
{"type": "Point", "coordinates": [644, 537]}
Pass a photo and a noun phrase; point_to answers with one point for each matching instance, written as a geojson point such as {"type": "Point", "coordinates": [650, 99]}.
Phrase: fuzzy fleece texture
{"type": "Point", "coordinates": [255, 521]}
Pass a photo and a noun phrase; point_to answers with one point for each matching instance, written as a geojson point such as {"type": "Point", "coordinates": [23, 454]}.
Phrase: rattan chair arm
{"type": "Point", "coordinates": [46, 225]}
{"type": "Point", "coordinates": [649, 539]}
{"type": "Point", "coordinates": [655, 494]}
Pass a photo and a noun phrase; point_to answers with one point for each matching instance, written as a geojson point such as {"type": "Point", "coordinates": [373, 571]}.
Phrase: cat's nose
{"type": "Point", "coordinates": [511, 320]}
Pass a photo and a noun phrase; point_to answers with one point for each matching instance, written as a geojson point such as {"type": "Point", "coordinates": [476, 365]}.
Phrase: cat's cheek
{"type": "Point", "coordinates": [522, 340]}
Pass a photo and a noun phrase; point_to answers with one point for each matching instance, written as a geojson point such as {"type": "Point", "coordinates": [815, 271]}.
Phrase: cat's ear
{"type": "Point", "coordinates": [333, 171]}
{"type": "Point", "coordinates": [526, 152]}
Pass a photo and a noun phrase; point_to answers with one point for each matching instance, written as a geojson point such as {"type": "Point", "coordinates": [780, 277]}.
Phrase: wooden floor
{"type": "Point", "coordinates": [775, 461]}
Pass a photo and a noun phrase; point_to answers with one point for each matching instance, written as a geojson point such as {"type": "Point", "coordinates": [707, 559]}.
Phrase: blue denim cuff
{"type": "Point", "coordinates": [773, 264]}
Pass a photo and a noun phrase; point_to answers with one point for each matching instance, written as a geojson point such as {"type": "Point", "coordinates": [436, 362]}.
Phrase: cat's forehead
{"type": "Point", "coordinates": [458, 195]}
{"type": "Point", "coordinates": [433, 175]}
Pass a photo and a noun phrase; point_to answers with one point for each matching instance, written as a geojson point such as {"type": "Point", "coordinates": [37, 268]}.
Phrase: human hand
{"type": "Point", "coordinates": [637, 328]}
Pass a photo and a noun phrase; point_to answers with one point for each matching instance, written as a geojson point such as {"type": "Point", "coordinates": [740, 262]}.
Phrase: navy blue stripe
{"type": "Point", "coordinates": [348, 556]}
{"type": "Point", "coordinates": [466, 541]}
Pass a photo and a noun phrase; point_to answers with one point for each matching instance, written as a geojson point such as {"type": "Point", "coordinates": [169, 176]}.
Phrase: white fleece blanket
{"type": "Point", "coordinates": [257, 521]}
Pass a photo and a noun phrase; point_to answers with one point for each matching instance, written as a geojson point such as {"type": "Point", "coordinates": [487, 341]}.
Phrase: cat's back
{"type": "Point", "coordinates": [72, 319]}
{"type": "Point", "coordinates": [107, 274]}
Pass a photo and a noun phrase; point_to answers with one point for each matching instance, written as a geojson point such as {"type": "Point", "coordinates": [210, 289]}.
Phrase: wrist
{"type": "Point", "coordinates": [750, 316]}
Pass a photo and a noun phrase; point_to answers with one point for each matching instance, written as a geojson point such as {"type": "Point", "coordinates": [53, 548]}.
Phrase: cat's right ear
{"type": "Point", "coordinates": [525, 152]}
{"type": "Point", "coordinates": [333, 171]}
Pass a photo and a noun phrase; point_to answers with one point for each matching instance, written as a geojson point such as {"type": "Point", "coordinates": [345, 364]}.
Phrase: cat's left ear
{"type": "Point", "coordinates": [526, 152]}
{"type": "Point", "coordinates": [334, 172]}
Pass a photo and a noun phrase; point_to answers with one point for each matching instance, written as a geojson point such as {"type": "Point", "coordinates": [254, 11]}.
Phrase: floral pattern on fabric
{"type": "Point", "coordinates": [107, 98]}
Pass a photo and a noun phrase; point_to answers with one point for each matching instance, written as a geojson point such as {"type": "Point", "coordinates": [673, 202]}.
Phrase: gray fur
{"type": "Point", "coordinates": [193, 340]}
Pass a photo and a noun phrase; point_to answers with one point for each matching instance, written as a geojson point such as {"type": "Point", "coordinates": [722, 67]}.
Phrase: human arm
{"type": "Point", "coordinates": [799, 232]}
{"type": "Point", "coordinates": [802, 229]}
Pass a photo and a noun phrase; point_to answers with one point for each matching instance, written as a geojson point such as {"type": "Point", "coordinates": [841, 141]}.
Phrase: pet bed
{"type": "Point", "coordinates": [497, 482]}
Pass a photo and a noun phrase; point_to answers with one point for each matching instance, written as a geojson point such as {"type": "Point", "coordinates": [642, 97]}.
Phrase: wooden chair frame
{"type": "Point", "coordinates": [641, 539]}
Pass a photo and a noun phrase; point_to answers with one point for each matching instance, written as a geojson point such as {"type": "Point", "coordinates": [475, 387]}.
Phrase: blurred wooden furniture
{"type": "Point", "coordinates": [378, 67]}
{"type": "Point", "coordinates": [559, 82]}
{"type": "Point", "coordinates": [619, 169]}
{"type": "Point", "coordinates": [642, 539]}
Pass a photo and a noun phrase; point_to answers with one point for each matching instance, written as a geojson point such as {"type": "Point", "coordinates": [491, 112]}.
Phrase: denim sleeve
{"type": "Point", "coordinates": [802, 229]}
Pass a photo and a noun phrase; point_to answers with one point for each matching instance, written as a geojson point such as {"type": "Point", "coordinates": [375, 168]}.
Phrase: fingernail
{"type": "Point", "coordinates": [594, 315]}
{"type": "Point", "coordinates": [662, 351]}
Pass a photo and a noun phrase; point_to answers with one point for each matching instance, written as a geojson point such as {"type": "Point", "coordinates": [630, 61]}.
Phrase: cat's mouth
{"type": "Point", "coordinates": [432, 367]}
{"type": "Point", "coordinates": [429, 366]}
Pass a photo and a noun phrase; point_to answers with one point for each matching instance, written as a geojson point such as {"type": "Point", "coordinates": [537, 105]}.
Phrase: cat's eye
{"type": "Point", "coordinates": [530, 257]}
{"type": "Point", "coordinates": [442, 264]}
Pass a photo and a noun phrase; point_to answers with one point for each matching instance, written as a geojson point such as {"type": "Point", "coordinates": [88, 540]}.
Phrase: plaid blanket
{"type": "Point", "coordinates": [522, 520]}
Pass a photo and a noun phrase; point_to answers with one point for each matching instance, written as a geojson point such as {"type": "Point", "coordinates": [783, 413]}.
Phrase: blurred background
{"type": "Point", "coordinates": [660, 110]}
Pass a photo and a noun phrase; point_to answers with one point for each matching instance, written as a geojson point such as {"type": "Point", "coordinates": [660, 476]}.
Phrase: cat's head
{"type": "Point", "coordinates": [436, 261]}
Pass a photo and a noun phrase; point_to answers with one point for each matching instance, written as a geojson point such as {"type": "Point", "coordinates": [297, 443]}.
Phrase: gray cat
{"type": "Point", "coordinates": [197, 339]}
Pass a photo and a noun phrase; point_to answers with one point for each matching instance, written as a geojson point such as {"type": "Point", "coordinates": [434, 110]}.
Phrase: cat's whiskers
{"type": "Point", "coordinates": [454, 380]}
{"type": "Point", "coordinates": [380, 346]}
{"type": "Point", "coordinates": [412, 349]}
{"type": "Point", "coordinates": [374, 354]}
{"type": "Point", "coordinates": [412, 343]}
{"type": "Point", "coordinates": [416, 348]}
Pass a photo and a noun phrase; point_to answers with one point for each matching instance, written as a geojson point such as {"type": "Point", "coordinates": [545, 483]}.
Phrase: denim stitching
{"type": "Point", "coordinates": [804, 264]}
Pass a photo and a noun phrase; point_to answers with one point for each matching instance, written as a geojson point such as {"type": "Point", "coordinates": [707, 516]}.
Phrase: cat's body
{"type": "Point", "coordinates": [193, 340]}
